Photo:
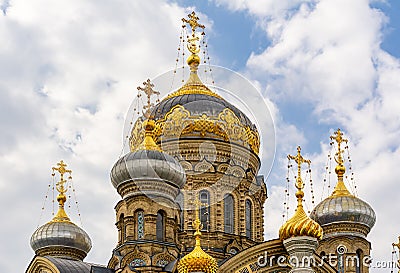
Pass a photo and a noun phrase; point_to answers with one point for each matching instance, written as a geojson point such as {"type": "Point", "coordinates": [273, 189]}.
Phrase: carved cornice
{"type": "Point", "coordinates": [61, 251]}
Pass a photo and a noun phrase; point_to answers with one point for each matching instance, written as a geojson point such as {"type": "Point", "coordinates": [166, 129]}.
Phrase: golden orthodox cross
{"type": "Point", "coordinates": [299, 159]}
{"type": "Point", "coordinates": [62, 170]}
{"type": "Point", "coordinates": [197, 223]}
{"type": "Point", "coordinates": [338, 137]}
{"type": "Point", "coordinates": [149, 91]}
{"type": "Point", "coordinates": [193, 22]}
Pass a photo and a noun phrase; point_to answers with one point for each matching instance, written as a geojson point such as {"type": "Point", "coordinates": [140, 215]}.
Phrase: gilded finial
{"type": "Point", "coordinates": [300, 224]}
{"type": "Point", "coordinates": [197, 223]}
{"type": "Point", "coordinates": [149, 124]}
{"type": "Point", "coordinates": [193, 21]}
{"type": "Point", "coordinates": [340, 188]}
{"type": "Point", "coordinates": [193, 85]}
{"type": "Point", "coordinates": [61, 198]}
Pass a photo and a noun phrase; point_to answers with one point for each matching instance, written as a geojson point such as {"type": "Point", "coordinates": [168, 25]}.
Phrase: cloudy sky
{"type": "Point", "coordinates": [69, 71]}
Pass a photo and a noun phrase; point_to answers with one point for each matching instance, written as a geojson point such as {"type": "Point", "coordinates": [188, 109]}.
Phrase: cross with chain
{"type": "Point", "coordinates": [193, 22]}
{"type": "Point", "coordinates": [149, 91]}
{"type": "Point", "coordinates": [62, 170]}
{"type": "Point", "coordinates": [338, 137]}
{"type": "Point", "coordinates": [299, 159]}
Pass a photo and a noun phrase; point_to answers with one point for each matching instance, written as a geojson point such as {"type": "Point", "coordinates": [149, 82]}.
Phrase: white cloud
{"type": "Point", "coordinates": [68, 71]}
{"type": "Point", "coordinates": [328, 53]}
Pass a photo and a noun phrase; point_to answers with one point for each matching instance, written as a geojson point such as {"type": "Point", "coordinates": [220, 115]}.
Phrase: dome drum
{"type": "Point", "coordinates": [224, 157]}
{"type": "Point", "coordinates": [150, 187]}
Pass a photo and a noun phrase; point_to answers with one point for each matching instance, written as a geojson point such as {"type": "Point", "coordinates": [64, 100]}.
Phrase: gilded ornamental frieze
{"type": "Point", "coordinates": [179, 121]}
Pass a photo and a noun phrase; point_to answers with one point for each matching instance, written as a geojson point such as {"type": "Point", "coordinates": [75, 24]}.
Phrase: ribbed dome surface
{"type": "Point", "coordinates": [346, 208]}
{"type": "Point", "coordinates": [147, 164]}
{"type": "Point", "coordinates": [198, 104]}
{"type": "Point", "coordinates": [61, 235]}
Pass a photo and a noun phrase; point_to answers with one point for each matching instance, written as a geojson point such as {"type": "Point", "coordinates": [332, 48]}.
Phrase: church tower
{"type": "Point", "coordinates": [346, 221]}
{"type": "Point", "coordinates": [208, 150]}
{"type": "Point", "coordinates": [148, 180]}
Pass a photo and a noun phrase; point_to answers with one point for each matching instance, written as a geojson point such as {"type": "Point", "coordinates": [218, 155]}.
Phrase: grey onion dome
{"type": "Point", "coordinates": [148, 164]}
{"type": "Point", "coordinates": [61, 238]}
{"type": "Point", "coordinates": [345, 208]}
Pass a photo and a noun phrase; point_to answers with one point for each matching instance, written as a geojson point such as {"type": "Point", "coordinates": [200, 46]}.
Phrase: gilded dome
{"type": "Point", "coordinates": [197, 261]}
{"type": "Point", "coordinates": [61, 237]}
{"type": "Point", "coordinates": [300, 225]}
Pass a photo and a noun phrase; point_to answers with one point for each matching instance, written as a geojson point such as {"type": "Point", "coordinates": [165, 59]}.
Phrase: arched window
{"type": "Point", "coordinates": [205, 209]}
{"type": "Point", "coordinates": [160, 226]}
{"type": "Point", "coordinates": [248, 219]}
{"type": "Point", "coordinates": [359, 261]}
{"type": "Point", "coordinates": [228, 214]}
{"type": "Point", "coordinates": [140, 224]}
{"type": "Point", "coordinates": [122, 227]}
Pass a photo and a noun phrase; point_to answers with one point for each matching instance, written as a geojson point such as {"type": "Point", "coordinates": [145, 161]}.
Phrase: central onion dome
{"type": "Point", "coordinates": [342, 207]}
{"type": "Point", "coordinates": [194, 111]}
{"type": "Point", "coordinates": [60, 237]}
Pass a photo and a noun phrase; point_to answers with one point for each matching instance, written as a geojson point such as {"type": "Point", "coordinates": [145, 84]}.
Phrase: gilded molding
{"type": "Point", "coordinates": [179, 121]}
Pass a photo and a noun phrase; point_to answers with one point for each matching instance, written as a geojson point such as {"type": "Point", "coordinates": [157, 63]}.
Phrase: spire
{"type": "Point", "coordinates": [299, 159]}
{"type": "Point", "coordinates": [149, 124]}
{"type": "Point", "coordinates": [197, 260]}
{"type": "Point", "coordinates": [194, 60]}
{"type": "Point", "coordinates": [340, 188]}
{"type": "Point", "coordinates": [61, 215]}
{"type": "Point", "coordinates": [197, 224]}
{"type": "Point", "coordinates": [193, 85]}
{"type": "Point", "coordinates": [300, 224]}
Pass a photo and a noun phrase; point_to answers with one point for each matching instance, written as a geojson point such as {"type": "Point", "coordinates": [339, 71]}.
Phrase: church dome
{"type": "Point", "coordinates": [197, 261]}
{"type": "Point", "coordinates": [194, 111]}
{"type": "Point", "coordinates": [300, 225]}
{"type": "Point", "coordinates": [148, 161]}
{"type": "Point", "coordinates": [61, 237]}
{"type": "Point", "coordinates": [344, 208]}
